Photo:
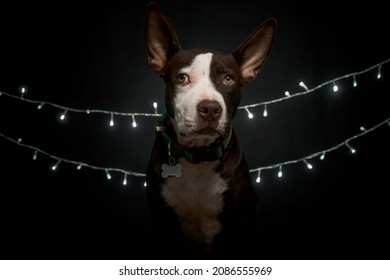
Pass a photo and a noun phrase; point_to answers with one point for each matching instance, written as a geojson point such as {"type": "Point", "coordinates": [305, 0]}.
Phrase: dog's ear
{"type": "Point", "coordinates": [251, 54]}
{"type": "Point", "coordinates": [161, 39]}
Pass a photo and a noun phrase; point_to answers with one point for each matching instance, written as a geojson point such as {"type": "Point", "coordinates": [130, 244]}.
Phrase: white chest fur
{"type": "Point", "coordinates": [196, 197]}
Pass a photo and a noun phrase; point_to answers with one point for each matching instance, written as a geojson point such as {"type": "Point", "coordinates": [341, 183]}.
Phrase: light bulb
{"type": "Point", "coordinates": [63, 115]}
{"type": "Point", "coordinates": [335, 87]}
{"type": "Point", "coordinates": [280, 173]}
{"type": "Point", "coordinates": [302, 84]}
{"type": "Point", "coordinates": [23, 91]}
{"type": "Point", "coordinates": [353, 151]}
{"type": "Point", "coordinates": [379, 74]}
{"type": "Point", "coordinates": [54, 167]}
{"type": "Point", "coordinates": [250, 115]}
{"type": "Point", "coordinates": [354, 81]}
{"type": "Point", "coordinates": [155, 107]}
{"type": "Point", "coordinates": [309, 166]}
{"type": "Point", "coordinates": [258, 179]}
{"type": "Point", "coordinates": [265, 113]}
{"type": "Point", "coordinates": [112, 120]}
{"type": "Point", "coordinates": [134, 123]}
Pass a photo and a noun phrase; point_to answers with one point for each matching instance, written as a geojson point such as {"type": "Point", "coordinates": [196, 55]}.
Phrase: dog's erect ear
{"type": "Point", "coordinates": [161, 39]}
{"type": "Point", "coordinates": [251, 54]}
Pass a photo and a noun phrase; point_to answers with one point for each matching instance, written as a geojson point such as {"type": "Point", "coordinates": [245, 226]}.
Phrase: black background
{"type": "Point", "coordinates": [92, 56]}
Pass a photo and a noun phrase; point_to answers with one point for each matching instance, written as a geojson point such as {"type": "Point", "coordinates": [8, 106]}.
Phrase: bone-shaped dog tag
{"type": "Point", "coordinates": [171, 170]}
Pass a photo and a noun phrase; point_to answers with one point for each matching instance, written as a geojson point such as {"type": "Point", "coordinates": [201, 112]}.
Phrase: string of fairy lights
{"type": "Point", "coordinates": [125, 173]}
{"type": "Point", "coordinates": [66, 110]}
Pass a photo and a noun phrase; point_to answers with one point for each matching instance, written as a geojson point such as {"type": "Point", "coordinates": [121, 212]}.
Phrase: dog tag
{"type": "Point", "coordinates": [171, 170]}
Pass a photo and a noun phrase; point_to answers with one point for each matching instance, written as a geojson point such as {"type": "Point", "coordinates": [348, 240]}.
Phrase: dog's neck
{"type": "Point", "coordinates": [212, 152]}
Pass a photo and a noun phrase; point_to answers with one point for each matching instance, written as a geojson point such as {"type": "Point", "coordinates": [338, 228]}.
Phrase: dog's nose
{"type": "Point", "coordinates": [209, 110]}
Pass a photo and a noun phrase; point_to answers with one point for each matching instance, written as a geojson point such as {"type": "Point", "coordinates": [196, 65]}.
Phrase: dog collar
{"type": "Point", "coordinates": [193, 155]}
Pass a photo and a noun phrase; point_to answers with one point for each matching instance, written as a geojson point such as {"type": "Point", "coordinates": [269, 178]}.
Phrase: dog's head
{"type": "Point", "coordinates": [203, 86]}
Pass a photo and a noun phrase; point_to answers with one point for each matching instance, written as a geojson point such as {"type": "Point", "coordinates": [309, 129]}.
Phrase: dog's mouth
{"type": "Point", "coordinates": [195, 132]}
{"type": "Point", "coordinates": [200, 137]}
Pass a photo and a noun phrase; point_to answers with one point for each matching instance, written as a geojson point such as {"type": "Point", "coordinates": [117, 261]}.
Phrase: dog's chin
{"type": "Point", "coordinates": [199, 138]}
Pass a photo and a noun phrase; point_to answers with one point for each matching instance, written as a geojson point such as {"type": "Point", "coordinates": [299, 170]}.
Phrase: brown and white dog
{"type": "Point", "coordinates": [198, 183]}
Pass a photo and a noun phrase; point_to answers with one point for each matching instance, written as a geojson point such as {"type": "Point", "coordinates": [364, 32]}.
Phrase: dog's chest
{"type": "Point", "coordinates": [196, 197]}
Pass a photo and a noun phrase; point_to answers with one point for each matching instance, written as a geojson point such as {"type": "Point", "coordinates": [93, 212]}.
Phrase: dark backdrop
{"type": "Point", "coordinates": [93, 57]}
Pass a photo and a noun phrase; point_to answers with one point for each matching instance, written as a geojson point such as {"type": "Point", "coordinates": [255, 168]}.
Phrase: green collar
{"type": "Point", "coordinates": [193, 155]}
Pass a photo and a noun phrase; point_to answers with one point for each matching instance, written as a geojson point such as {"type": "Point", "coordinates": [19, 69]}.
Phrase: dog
{"type": "Point", "coordinates": [199, 188]}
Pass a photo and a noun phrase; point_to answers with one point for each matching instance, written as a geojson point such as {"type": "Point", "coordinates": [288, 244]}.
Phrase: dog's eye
{"type": "Point", "coordinates": [183, 78]}
{"type": "Point", "coordinates": [228, 80]}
